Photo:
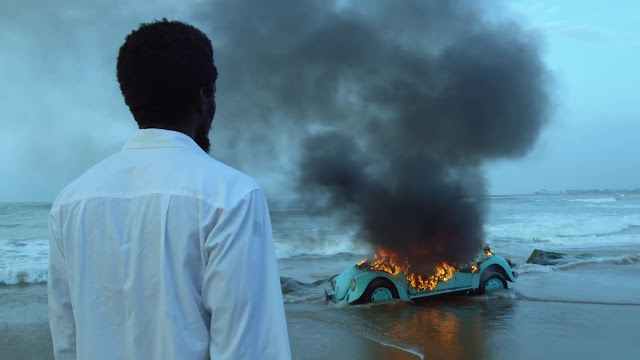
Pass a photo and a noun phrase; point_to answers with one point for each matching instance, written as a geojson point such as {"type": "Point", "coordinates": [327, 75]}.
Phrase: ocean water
{"type": "Point", "coordinates": [24, 244]}
{"type": "Point", "coordinates": [515, 226]}
{"type": "Point", "coordinates": [587, 307]}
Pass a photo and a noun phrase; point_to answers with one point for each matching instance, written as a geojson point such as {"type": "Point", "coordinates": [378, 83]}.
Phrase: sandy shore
{"type": "Point", "coordinates": [25, 332]}
{"type": "Point", "coordinates": [313, 339]}
{"type": "Point", "coordinates": [24, 327]}
{"type": "Point", "coordinates": [585, 313]}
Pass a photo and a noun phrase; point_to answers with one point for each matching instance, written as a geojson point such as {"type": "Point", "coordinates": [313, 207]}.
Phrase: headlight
{"type": "Point", "coordinates": [333, 284]}
{"type": "Point", "coordinates": [353, 284]}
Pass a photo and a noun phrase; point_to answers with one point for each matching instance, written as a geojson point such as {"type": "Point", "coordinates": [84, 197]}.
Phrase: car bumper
{"type": "Point", "coordinates": [329, 296]}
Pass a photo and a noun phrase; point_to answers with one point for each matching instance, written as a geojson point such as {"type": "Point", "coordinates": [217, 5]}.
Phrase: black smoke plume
{"type": "Point", "coordinates": [396, 105]}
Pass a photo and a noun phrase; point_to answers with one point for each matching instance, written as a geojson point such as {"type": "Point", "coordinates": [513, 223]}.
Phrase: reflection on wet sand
{"type": "Point", "coordinates": [451, 327]}
{"type": "Point", "coordinates": [313, 338]}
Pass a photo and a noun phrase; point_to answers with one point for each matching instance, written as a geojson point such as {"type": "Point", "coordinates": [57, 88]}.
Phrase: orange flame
{"type": "Point", "coordinates": [362, 262]}
{"type": "Point", "coordinates": [388, 262]}
{"type": "Point", "coordinates": [474, 268]}
{"type": "Point", "coordinates": [488, 251]}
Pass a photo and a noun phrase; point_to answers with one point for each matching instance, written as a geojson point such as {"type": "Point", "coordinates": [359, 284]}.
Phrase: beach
{"type": "Point", "coordinates": [586, 307]}
{"type": "Point", "coordinates": [539, 318]}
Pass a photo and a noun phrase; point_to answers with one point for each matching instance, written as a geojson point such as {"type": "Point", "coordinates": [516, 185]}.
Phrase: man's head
{"type": "Point", "coordinates": [167, 76]}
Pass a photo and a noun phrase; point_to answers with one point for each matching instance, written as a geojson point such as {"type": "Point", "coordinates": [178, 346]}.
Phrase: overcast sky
{"type": "Point", "coordinates": [593, 51]}
{"type": "Point", "coordinates": [61, 110]}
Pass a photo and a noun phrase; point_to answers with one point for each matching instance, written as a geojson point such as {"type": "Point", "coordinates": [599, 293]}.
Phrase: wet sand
{"type": "Point", "coordinates": [313, 339]}
{"type": "Point", "coordinates": [24, 326]}
{"type": "Point", "coordinates": [24, 332]}
{"type": "Point", "coordinates": [589, 312]}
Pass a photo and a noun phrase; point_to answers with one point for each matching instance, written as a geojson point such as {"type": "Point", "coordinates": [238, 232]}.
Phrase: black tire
{"type": "Point", "coordinates": [378, 283]}
{"type": "Point", "coordinates": [488, 275]}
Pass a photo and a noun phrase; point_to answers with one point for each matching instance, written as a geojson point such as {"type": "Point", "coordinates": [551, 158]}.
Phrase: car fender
{"type": "Point", "coordinates": [365, 278]}
{"type": "Point", "coordinates": [494, 260]}
{"type": "Point", "coordinates": [343, 280]}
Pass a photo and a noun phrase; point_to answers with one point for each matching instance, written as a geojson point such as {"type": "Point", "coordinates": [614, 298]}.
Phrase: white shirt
{"type": "Point", "coordinates": [161, 252]}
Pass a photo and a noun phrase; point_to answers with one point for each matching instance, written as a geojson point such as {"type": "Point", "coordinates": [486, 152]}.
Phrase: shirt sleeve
{"type": "Point", "coordinates": [241, 286]}
{"type": "Point", "coordinates": [61, 320]}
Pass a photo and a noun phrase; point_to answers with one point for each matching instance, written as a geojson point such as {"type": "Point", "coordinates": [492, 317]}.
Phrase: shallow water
{"type": "Point", "coordinates": [587, 308]}
{"type": "Point", "coordinates": [504, 325]}
{"type": "Point", "coordinates": [588, 311]}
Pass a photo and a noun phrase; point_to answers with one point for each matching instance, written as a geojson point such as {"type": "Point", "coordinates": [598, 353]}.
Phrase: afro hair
{"type": "Point", "coordinates": [161, 68]}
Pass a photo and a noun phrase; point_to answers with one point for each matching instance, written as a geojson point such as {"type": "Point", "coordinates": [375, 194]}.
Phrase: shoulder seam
{"type": "Point", "coordinates": [235, 203]}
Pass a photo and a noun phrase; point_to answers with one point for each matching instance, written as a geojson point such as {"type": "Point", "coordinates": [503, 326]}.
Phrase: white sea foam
{"type": "Point", "coordinates": [594, 200]}
{"type": "Point", "coordinates": [24, 275]}
{"type": "Point", "coordinates": [320, 247]}
{"type": "Point", "coordinates": [625, 259]}
{"type": "Point", "coordinates": [619, 206]}
{"type": "Point", "coordinates": [23, 261]}
{"type": "Point", "coordinates": [295, 298]}
{"type": "Point", "coordinates": [553, 228]}
{"type": "Point", "coordinates": [533, 268]}
{"type": "Point", "coordinates": [500, 294]}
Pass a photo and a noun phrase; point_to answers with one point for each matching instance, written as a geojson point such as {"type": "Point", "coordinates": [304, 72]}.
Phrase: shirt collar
{"type": "Point", "coordinates": [160, 138]}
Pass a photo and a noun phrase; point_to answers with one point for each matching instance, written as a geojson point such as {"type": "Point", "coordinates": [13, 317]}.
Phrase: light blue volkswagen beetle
{"type": "Point", "coordinates": [359, 284]}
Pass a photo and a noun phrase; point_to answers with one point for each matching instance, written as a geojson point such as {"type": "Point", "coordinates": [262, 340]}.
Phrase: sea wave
{"type": "Point", "coordinates": [24, 275]}
{"type": "Point", "coordinates": [325, 247]}
{"type": "Point", "coordinates": [551, 227]}
{"type": "Point", "coordinates": [23, 261]}
{"type": "Point", "coordinates": [594, 201]}
{"type": "Point", "coordinates": [296, 298]}
{"type": "Point", "coordinates": [516, 295]}
{"type": "Point", "coordinates": [625, 259]}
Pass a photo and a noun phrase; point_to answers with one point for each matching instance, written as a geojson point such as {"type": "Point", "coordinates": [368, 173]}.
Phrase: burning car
{"type": "Point", "coordinates": [386, 278]}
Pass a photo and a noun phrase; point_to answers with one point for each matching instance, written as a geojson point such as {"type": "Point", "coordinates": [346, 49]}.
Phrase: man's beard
{"type": "Point", "coordinates": [202, 134]}
{"type": "Point", "coordinates": [202, 139]}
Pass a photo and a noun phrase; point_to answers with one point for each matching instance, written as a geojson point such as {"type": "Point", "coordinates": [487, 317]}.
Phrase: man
{"type": "Point", "coordinates": [160, 251]}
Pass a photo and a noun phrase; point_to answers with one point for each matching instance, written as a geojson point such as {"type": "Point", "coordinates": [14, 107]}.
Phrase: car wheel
{"type": "Point", "coordinates": [491, 282]}
{"type": "Point", "coordinates": [380, 290]}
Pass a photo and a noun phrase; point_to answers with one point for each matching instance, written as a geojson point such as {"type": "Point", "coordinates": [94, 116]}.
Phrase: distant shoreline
{"type": "Point", "coordinates": [542, 192]}
{"type": "Point", "coordinates": [611, 192]}
{"type": "Point", "coordinates": [588, 192]}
